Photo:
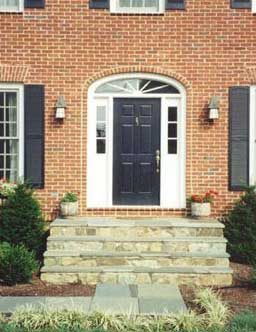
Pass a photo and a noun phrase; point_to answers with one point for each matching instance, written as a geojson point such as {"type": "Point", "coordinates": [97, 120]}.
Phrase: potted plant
{"type": "Point", "coordinates": [69, 205]}
{"type": "Point", "coordinates": [201, 204]}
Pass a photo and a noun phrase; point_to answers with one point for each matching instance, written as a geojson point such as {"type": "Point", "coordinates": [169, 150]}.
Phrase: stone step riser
{"type": "Point", "coordinates": [188, 247]}
{"type": "Point", "coordinates": [152, 262]}
{"type": "Point", "coordinates": [144, 232]}
{"type": "Point", "coordinates": [217, 279]}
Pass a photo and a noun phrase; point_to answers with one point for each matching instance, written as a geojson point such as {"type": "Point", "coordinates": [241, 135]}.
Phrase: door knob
{"type": "Point", "coordinates": [158, 161]}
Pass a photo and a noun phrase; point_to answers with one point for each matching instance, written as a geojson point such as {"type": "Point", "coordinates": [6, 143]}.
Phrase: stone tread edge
{"type": "Point", "coordinates": [129, 269]}
{"type": "Point", "coordinates": [93, 238]}
{"type": "Point", "coordinates": [92, 254]}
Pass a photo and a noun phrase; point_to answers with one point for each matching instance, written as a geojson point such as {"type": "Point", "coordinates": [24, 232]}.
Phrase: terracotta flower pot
{"type": "Point", "coordinates": [200, 210]}
{"type": "Point", "coordinates": [69, 209]}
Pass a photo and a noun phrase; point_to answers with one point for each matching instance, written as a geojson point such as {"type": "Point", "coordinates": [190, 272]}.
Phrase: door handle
{"type": "Point", "coordinates": [158, 161]}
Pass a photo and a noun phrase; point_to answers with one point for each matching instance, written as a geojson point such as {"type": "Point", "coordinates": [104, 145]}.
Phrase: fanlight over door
{"type": "Point", "coordinates": [136, 86]}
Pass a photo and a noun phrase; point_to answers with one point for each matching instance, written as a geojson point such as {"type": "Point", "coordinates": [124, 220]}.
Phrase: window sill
{"type": "Point", "coordinates": [11, 12]}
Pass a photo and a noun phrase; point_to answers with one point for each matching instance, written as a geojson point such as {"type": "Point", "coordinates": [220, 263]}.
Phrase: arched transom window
{"type": "Point", "coordinates": [136, 86]}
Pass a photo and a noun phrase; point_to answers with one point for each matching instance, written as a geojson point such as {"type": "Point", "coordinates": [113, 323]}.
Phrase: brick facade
{"type": "Point", "coordinates": [208, 47]}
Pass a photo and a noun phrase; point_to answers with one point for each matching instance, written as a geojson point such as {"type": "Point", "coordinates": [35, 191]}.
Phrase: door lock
{"type": "Point", "coordinates": [158, 161]}
{"type": "Point", "coordinates": [137, 121]}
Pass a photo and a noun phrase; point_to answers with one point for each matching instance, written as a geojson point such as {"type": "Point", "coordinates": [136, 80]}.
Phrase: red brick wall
{"type": "Point", "coordinates": [209, 47]}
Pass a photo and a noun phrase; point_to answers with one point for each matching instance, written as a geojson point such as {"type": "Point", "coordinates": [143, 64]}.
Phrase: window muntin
{"type": "Point", "coordinates": [136, 86]}
{"type": "Point", "coordinates": [10, 5]}
{"type": "Point", "coordinates": [101, 129]}
{"type": "Point", "coordinates": [172, 130]}
{"type": "Point", "coordinates": [137, 6]}
{"type": "Point", "coordinates": [9, 137]}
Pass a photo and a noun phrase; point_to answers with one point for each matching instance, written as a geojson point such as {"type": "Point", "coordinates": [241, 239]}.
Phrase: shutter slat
{"type": "Point", "coordinates": [175, 4]}
{"type": "Point", "coordinates": [241, 4]}
{"type": "Point", "coordinates": [34, 135]}
{"type": "Point", "coordinates": [239, 101]}
{"type": "Point", "coordinates": [99, 4]}
{"type": "Point", "coordinates": [34, 3]}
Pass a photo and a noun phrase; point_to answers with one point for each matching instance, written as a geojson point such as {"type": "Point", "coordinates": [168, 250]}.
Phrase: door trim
{"type": "Point", "coordinates": [101, 177]}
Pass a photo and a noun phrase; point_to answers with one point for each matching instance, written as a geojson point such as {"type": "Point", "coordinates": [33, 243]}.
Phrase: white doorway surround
{"type": "Point", "coordinates": [100, 130]}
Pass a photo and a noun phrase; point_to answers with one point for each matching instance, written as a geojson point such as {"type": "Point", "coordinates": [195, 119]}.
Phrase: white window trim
{"type": "Point", "coordinates": [95, 163]}
{"type": "Point", "coordinates": [254, 6]}
{"type": "Point", "coordinates": [13, 9]}
{"type": "Point", "coordinates": [114, 8]}
{"type": "Point", "coordinates": [19, 89]}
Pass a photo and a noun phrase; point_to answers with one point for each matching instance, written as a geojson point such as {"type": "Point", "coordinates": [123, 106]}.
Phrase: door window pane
{"type": "Point", "coordinates": [101, 129]}
{"type": "Point", "coordinates": [172, 130]}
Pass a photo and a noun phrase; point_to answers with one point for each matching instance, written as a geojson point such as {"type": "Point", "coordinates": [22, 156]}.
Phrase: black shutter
{"type": "Point", "coordinates": [175, 4]}
{"type": "Point", "coordinates": [239, 105]}
{"type": "Point", "coordinates": [99, 4]}
{"type": "Point", "coordinates": [34, 135]}
{"type": "Point", "coordinates": [241, 4]}
{"type": "Point", "coordinates": [34, 3]}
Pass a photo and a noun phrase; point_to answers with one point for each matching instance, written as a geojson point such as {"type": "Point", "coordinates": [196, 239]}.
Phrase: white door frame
{"type": "Point", "coordinates": [99, 166]}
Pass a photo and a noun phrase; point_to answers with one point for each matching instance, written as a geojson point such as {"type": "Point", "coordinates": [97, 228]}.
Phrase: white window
{"type": "Point", "coordinates": [254, 6]}
{"type": "Point", "coordinates": [137, 6]}
{"type": "Point", "coordinates": [11, 133]}
{"type": "Point", "coordinates": [11, 5]}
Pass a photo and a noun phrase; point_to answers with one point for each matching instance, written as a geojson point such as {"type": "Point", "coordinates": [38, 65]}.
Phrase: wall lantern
{"type": "Point", "coordinates": [60, 107]}
{"type": "Point", "coordinates": [214, 106]}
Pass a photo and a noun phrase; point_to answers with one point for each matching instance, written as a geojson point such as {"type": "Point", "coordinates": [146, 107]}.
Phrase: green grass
{"type": "Point", "coordinates": [244, 322]}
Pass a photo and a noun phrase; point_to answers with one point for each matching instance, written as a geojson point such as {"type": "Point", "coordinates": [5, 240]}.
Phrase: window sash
{"type": "Point", "coordinates": [116, 6]}
{"type": "Point", "coordinates": [9, 145]}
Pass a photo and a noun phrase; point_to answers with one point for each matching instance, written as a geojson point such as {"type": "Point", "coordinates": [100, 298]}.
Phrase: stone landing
{"type": "Point", "coordinates": [136, 251]}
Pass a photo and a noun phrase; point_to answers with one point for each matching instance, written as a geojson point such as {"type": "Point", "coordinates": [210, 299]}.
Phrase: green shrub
{"type": "Point", "coordinates": [216, 313]}
{"type": "Point", "coordinates": [69, 198]}
{"type": "Point", "coordinates": [17, 264]}
{"type": "Point", "coordinates": [21, 220]}
{"type": "Point", "coordinates": [245, 321]}
{"type": "Point", "coordinates": [241, 228]}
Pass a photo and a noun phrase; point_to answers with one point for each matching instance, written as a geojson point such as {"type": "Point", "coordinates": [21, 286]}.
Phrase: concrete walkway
{"type": "Point", "coordinates": [108, 298]}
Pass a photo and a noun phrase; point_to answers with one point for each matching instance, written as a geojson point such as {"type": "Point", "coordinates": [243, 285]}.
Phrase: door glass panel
{"type": "Point", "coordinates": [172, 146]}
{"type": "Point", "coordinates": [101, 146]}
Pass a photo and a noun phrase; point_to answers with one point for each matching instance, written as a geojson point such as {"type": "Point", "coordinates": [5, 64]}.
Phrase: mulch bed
{"type": "Point", "coordinates": [240, 296]}
{"type": "Point", "coordinates": [40, 288]}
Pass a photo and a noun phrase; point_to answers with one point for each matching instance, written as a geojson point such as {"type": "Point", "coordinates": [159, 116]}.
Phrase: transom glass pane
{"type": "Point", "coordinates": [135, 86]}
{"type": "Point", "coordinates": [8, 136]}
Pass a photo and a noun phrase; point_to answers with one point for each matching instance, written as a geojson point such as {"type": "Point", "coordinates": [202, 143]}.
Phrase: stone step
{"type": "Point", "coordinates": [199, 275]}
{"type": "Point", "coordinates": [136, 244]}
{"type": "Point", "coordinates": [145, 259]}
{"type": "Point", "coordinates": [145, 228]}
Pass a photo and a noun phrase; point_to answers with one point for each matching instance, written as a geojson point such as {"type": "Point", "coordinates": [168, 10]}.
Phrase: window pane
{"type": "Point", "coordinates": [101, 130]}
{"type": "Point", "coordinates": [1, 99]}
{"type": "Point", "coordinates": [172, 114]}
{"type": "Point", "coordinates": [124, 3]}
{"type": "Point", "coordinates": [2, 133]}
{"type": "Point", "coordinates": [1, 146]}
{"type": "Point", "coordinates": [11, 114]}
{"type": "Point", "coordinates": [137, 3]}
{"type": "Point", "coordinates": [1, 162]}
{"type": "Point", "coordinates": [12, 146]}
{"type": "Point", "coordinates": [11, 130]}
{"type": "Point", "coordinates": [101, 146]}
{"type": "Point", "coordinates": [172, 146]}
{"type": "Point", "coordinates": [1, 171]}
{"type": "Point", "coordinates": [11, 100]}
{"type": "Point", "coordinates": [101, 113]}
{"type": "Point", "coordinates": [172, 130]}
{"type": "Point", "coordinates": [12, 162]}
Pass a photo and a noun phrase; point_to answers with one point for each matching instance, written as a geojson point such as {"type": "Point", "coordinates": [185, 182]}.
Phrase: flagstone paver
{"type": "Point", "coordinates": [108, 298]}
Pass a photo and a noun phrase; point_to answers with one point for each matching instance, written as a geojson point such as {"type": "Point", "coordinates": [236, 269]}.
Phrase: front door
{"type": "Point", "coordinates": [136, 151]}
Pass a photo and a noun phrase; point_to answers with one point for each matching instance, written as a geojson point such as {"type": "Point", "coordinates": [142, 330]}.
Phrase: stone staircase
{"type": "Point", "coordinates": [136, 251]}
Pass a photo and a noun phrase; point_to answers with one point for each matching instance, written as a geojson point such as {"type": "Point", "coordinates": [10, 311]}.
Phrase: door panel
{"type": "Point", "coordinates": [136, 139]}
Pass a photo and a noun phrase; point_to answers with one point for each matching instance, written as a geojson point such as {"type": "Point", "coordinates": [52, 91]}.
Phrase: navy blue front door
{"type": "Point", "coordinates": [136, 172]}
